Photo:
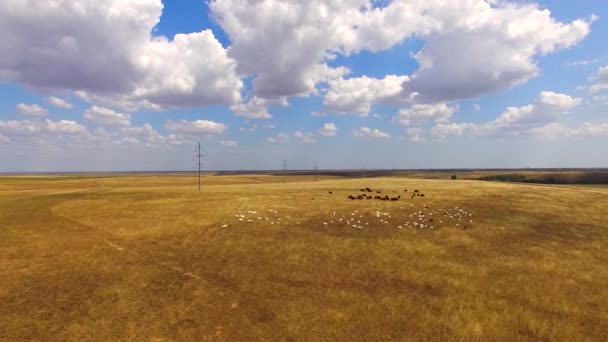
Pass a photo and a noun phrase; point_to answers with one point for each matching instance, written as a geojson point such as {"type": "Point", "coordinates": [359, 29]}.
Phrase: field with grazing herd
{"type": "Point", "coordinates": [149, 258]}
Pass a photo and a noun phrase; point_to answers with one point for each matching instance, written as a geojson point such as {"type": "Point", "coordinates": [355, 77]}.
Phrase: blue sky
{"type": "Point", "coordinates": [90, 87]}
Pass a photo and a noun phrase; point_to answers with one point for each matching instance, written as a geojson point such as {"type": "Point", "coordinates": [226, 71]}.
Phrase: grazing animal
{"type": "Point", "coordinates": [331, 192]}
{"type": "Point", "coordinates": [378, 192]}
{"type": "Point", "coordinates": [405, 190]}
{"type": "Point", "coordinates": [362, 190]}
{"type": "Point", "coordinates": [359, 197]}
{"type": "Point", "coordinates": [422, 195]}
{"type": "Point", "coordinates": [394, 199]}
{"type": "Point", "coordinates": [368, 189]}
{"type": "Point", "coordinates": [351, 197]}
{"type": "Point", "coordinates": [416, 191]}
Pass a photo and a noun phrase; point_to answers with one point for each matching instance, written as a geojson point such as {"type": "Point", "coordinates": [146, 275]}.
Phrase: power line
{"type": "Point", "coordinates": [284, 170]}
{"type": "Point", "coordinates": [199, 154]}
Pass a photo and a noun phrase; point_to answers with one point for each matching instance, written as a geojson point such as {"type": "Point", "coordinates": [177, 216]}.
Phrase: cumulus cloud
{"type": "Point", "coordinates": [415, 134]}
{"type": "Point", "coordinates": [366, 132]}
{"type": "Point", "coordinates": [590, 129]}
{"type": "Point", "coordinates": [257, 108]}
{"type": "Point", "coordinates": [34, 129]}
{"type": "Point", "coordinates": [59, 103]}
{"type": "Point", "coordinates": [599, 80]}
{"type": "Point", "coordinates": [111, 57]}
{"type": "Point", "coordinates": [197, 127]}
{"type": "Point", "coordinates": [32, 110]}
{"type": "Point", "coordinates": [357, 95]}
{"type": "Point", "coordinates": [443, 130]}
{"type": "Point", "coordinates": [598, 100]}
{"type": "Point", "coordinates": [4, 139]}
{"type": "Point", "coordinates": [229, 143]}
{"type": "Point", "coordinates": [583, 62]}
{"type": "Point", "coordinates": [305, 138]}
{"type": "Point", "coordinates": [506, 37]}
{"type": "Point", "coordinates": [420, 113]}
{"type": "Point", "coordinates": [328, 130]}
{"type": "Point", "coordinates": [150, 136]}
{"type": "Point", "coordinates": [251, 128]}
{"type": "Point", "coordinates": [471, 47]}
{"type": "Point", "coordinates": [548, 108]}
{"type": "Point", "coordinates": [280, 138]}
{"type": "Point", "coordinates": [106, 117]}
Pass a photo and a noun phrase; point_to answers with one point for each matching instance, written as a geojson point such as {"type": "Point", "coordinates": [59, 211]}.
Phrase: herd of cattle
{"type": "Point", "coordinates": [367, 191]}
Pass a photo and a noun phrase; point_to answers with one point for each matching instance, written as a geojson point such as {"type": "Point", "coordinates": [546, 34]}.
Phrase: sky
{"type": "Point", "coordinates": [134, 85]}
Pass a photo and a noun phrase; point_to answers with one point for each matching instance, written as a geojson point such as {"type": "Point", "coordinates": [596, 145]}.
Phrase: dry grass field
{"type": "Point", "coordinates": [148, 258]}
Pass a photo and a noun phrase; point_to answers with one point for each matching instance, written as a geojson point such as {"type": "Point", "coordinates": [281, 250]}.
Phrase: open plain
{"type": "Point", "coordinates": [148, 257]}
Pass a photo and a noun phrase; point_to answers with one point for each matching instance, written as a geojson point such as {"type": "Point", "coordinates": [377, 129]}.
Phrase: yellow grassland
{"type": "Point", "coordinates": [142, 258]}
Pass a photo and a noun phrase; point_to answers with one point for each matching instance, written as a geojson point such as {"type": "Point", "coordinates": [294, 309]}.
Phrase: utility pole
{"type": "Point", "coordinates": [284, 170]}
{"type": "Point", "coordinates": [199, 154]}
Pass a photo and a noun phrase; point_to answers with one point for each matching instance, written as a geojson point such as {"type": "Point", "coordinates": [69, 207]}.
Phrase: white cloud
{"type": "Point", "coordinates": [251, 128]}
{"type": "Point", "coordinates": [270, 126]}
{"type": "Point", "coordinates": [229, 143]}
{"type": "Point", "coordinates": [150, 136]}
{"type": "Point", "coordinates": [367, 132]}
{"type": "Point", "coordinates": [144, 130]}
{"type": "Point", "coordinates": [590, 129]}
{"type": "Point", "coordinates": [558, 100]}
{"type": "Point", "coordinates": [280, 138]}
{"type": "Point", "coordinates": [60, 103]}
{"type": "Point", "coordinates": [38, 128]}
{"type": "Point", "coordinates": [443, 130]}
{"type": "Point", "coordinates": [127, 141]}
{"type": "Point", "coordinates": [32, 110]}
{"type": "Point", "coordinates": [257, 108]}
{"type": "Point", "coordinates": [476, 107]}
{"type": "Point", "coordinates": [111, 57]}
{"type": "Point", "coordinates": [106, 117]}
{"type": "Point", "coordinates": [599, 80]}
{"type": "Point", "coordinates": [288, 45]}
{"type": "Point", "coordinates": [598, 100]}
{"type": "Point", "coordinates": [305, 138]}
{"type": "Point", "coordinates": [415, 134]}
{"type": "Point", "coordinates": [357, 95]}
{"type": "Point", "coordinates": [318, 114]}
{"type": "Point", "coordinates": [539, 117]}
{"type": "Point", "coordinates": [328, 130]}
{"type": "Point", "coordinates": [556, 130]}
{"type": "Point", "coordinates": [420, 113]}
{"type": "Point", "coordinates": [197, 127]}
{"type": "Point", "coordinates": [4, 139]}
{"type": "Point", "coordinates": [507, 37]}
{"type": "Point", "coordinates": [583, 62]}
{"type": "Point", "coordinates": [548, 108]}
{"type": "Point", "coordinates": [65, 126]}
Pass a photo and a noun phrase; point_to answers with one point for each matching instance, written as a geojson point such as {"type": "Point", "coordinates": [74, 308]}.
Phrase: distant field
{"type": "Point", "coordinates": [147, 257]}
